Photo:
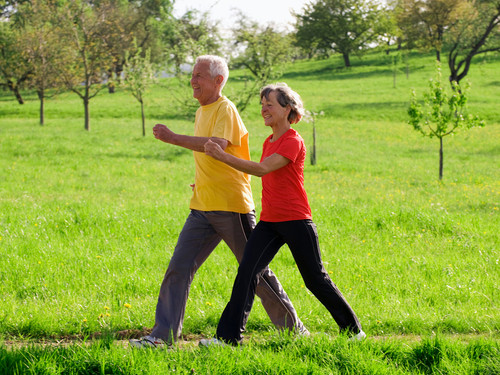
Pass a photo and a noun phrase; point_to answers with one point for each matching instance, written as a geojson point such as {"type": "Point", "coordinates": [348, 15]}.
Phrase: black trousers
{"type": "Point", "coordinates": [264, 242]}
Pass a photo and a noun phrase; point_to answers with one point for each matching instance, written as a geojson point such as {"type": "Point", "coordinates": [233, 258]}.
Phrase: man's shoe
{"type": "Point", "coordinates": [358, 337]}
{"type": "Point", "coordinates": [147, 342]}
{"type": "Point", "coordinates": [212, 342]}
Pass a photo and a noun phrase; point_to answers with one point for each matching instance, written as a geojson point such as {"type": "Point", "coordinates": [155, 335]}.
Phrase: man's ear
{"type": "Point", "coordinates": [219, 79]}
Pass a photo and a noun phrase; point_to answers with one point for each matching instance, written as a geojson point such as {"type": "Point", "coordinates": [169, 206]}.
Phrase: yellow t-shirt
{"type": "Point", "coordinates": [219, 187]}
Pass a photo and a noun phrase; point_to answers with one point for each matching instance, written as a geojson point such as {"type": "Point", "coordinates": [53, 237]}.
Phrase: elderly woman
{"type": "Point", "coordinates": [285, 219]}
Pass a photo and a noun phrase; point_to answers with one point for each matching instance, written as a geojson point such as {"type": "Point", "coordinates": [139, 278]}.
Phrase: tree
{"type": "Point", "coordinates": [441, 115]}
{"type": "Point", "coordinates": [14, 68]}
{"type": "Point", "coordinates": [38, 41]}
{"type": "Point", "coordinates": [89, 58]}
{"type": "Point", "coordinates": [9, 7]}
{"type": "Point", "coordinates": [138, 76]}
{"type": "Point", "coordinates": [424, 23]}
{"type": "Point", "coordinates": [142, 21]}
{"type": "Point", "coordinates": [311, 117]}
{"type": "Point", "coordinates": [262, 50]}
{"type": "Point", "coordinates": [478, 32]}
{"type": "Point", "coordinates": [343, 26]}
{"type": "Point", "coordinates": [191, 35]}
{"type": "Point", "coordinates": [185, 39]}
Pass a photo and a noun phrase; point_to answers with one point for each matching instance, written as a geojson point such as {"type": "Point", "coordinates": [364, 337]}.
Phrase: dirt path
{"type": "Point", "coordinates": [191, 341]}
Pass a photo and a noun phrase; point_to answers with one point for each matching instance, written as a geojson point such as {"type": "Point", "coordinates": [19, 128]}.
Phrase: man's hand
{"type": "Point", "coordinates": [163, 133]}
{"type": "Point", "coordinates": [214, 150]}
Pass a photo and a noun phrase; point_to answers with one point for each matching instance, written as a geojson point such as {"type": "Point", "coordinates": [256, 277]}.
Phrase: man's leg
{"type": "Point", "coordinates": [196, 242]}
{"type": "Point", "coordinates": [235, 229]}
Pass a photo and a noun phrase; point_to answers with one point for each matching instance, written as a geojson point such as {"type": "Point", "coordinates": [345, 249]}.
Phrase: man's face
{"type": "Point", "coordinates": [205, 88]}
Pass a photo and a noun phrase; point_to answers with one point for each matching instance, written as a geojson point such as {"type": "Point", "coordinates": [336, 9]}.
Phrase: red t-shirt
{"type": "Point", "coordinates": [283, 195]}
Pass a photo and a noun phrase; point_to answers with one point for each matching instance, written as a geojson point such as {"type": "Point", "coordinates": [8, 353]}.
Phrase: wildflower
{"type": "Point", "coordinates": [209, 304]}
{"type": "Point", "coordinates": [106, 308]}
{"type": "Point", "coordinates": [127, 305]}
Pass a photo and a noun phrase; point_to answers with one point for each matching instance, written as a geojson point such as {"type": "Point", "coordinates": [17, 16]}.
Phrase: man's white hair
{"type": "Point", "coordinates": [218, 66]}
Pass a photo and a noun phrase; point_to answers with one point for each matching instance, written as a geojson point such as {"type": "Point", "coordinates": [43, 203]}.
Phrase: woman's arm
{"type": "Point", "coordinates": [190, 142]}
{"type": "Point", "coordinates": [269, 164]}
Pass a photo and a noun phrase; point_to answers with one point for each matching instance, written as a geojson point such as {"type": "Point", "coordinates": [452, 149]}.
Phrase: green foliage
{"type": "Point", "coordinates": [139, 75]}
{"type": "Point", "coordinates": [425, 23]}
{"type": "Point", "coordinates": [441, 114]}
{"type": "Point", "coordinates": [191, 35]}
{"type": "Point", "coordinates": [265, 53]}
{"type": "Point", "coordinates": [14, 67]}
{"type": "Point", "coordinates": [344, 26]}
{"type": "Point", "coordinates": [476, 32]}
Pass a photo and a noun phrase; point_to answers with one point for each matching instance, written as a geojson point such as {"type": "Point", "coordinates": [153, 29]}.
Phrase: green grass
{"type": "Point", "coordinates": [274, 356]}
{"type": "Point", "coordinates": [88, 222]}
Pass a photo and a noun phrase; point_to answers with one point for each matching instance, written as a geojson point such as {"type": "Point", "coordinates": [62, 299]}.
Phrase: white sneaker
{"type": "Point", "coordinates": [147, 342]}
{"type": "Point", "coordinates": [359, 337]}
{"type": "Point", "coordinates": [212, 342]}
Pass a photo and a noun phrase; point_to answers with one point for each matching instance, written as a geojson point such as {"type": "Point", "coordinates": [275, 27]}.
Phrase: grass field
{"type": "Point", "coordinates": [89, 220]}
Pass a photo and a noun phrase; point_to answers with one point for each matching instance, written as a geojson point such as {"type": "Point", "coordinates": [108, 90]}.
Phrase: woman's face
{"type": "Point", "coordinates": [272, 111]}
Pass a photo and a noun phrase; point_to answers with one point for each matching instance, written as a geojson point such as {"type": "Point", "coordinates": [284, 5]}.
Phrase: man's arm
{"type": "Point", "coordinates": [190, 142]}
{"type": "Point", "coordinates": [269, 164]}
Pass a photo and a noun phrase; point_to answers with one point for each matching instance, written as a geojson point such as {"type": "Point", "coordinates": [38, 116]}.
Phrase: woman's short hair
{"type": "Point", "coordinates": [286, 96]}
{"type": "Point", "coordinates": [218, 66]}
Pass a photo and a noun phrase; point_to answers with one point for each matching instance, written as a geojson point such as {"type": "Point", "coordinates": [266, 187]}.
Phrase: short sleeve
{"type": "Point", "coordinates": [290, 148]}
{"type": "Point", "coordinates": [229, 125]}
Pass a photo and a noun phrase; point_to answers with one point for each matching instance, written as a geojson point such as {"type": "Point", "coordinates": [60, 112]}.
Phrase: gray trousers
{"type": "Point", "coordinates": [201, 233]}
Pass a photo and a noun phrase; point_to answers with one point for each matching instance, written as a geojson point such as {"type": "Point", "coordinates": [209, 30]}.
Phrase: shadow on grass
{"type": "Point", "coordinates": [170, 155]}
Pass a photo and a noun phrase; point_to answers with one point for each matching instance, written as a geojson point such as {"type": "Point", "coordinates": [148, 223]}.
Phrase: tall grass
{"type": "Point", "coordinates": [89, 220]}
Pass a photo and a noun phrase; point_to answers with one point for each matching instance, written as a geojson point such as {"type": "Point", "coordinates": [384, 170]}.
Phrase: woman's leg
{"type": "Point", "coordinates": [260, 249]}
{"type": "Point", "coordinates": [302, 239]}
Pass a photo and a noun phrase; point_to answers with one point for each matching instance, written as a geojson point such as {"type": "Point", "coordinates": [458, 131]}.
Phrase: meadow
{"type": "Point", "coordinates": [89, 220]}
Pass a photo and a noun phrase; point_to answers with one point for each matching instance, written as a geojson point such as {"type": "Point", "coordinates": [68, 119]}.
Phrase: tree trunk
{"type": "Point", "coordinates": [41, 96]}
{"type": "Point", "coordinates": [87, 114]}
{"type": "Point", "coordinates": [441, 158]}
{"type": "Point", "coordinates": [143, 120]}
{"type": "Point", "coordinates": [394, 71]}
{"type": "Point", "coordinates": [15, 89]}
{"type": "Point", "coordinates": [438, 55]}
{"type": "Point", "coordinates": [313, 154]}
{"type": "Point", "coordinates": [347, 61]}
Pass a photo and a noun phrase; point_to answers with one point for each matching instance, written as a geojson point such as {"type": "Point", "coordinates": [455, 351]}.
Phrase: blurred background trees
{"type": "Point", "coordinates": [82, 45]}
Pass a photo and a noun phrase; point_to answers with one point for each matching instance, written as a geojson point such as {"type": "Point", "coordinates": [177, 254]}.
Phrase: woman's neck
{"type": "Point", "coordinates": [279, 130]}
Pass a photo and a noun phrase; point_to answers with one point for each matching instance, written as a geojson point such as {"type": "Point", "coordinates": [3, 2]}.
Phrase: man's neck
{"type": "Point", "coordinates": [211, 100]}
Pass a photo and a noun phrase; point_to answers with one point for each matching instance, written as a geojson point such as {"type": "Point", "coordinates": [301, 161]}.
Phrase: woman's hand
{"type": "Point", "coordinates": [214, 150]}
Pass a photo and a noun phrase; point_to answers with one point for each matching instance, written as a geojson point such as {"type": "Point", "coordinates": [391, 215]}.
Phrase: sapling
{"type": "Point", "coordinates": [441, 114]}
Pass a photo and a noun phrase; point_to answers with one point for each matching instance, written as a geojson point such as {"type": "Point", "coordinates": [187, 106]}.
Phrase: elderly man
{"type": "Point", "coordinates": [222, 208]}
